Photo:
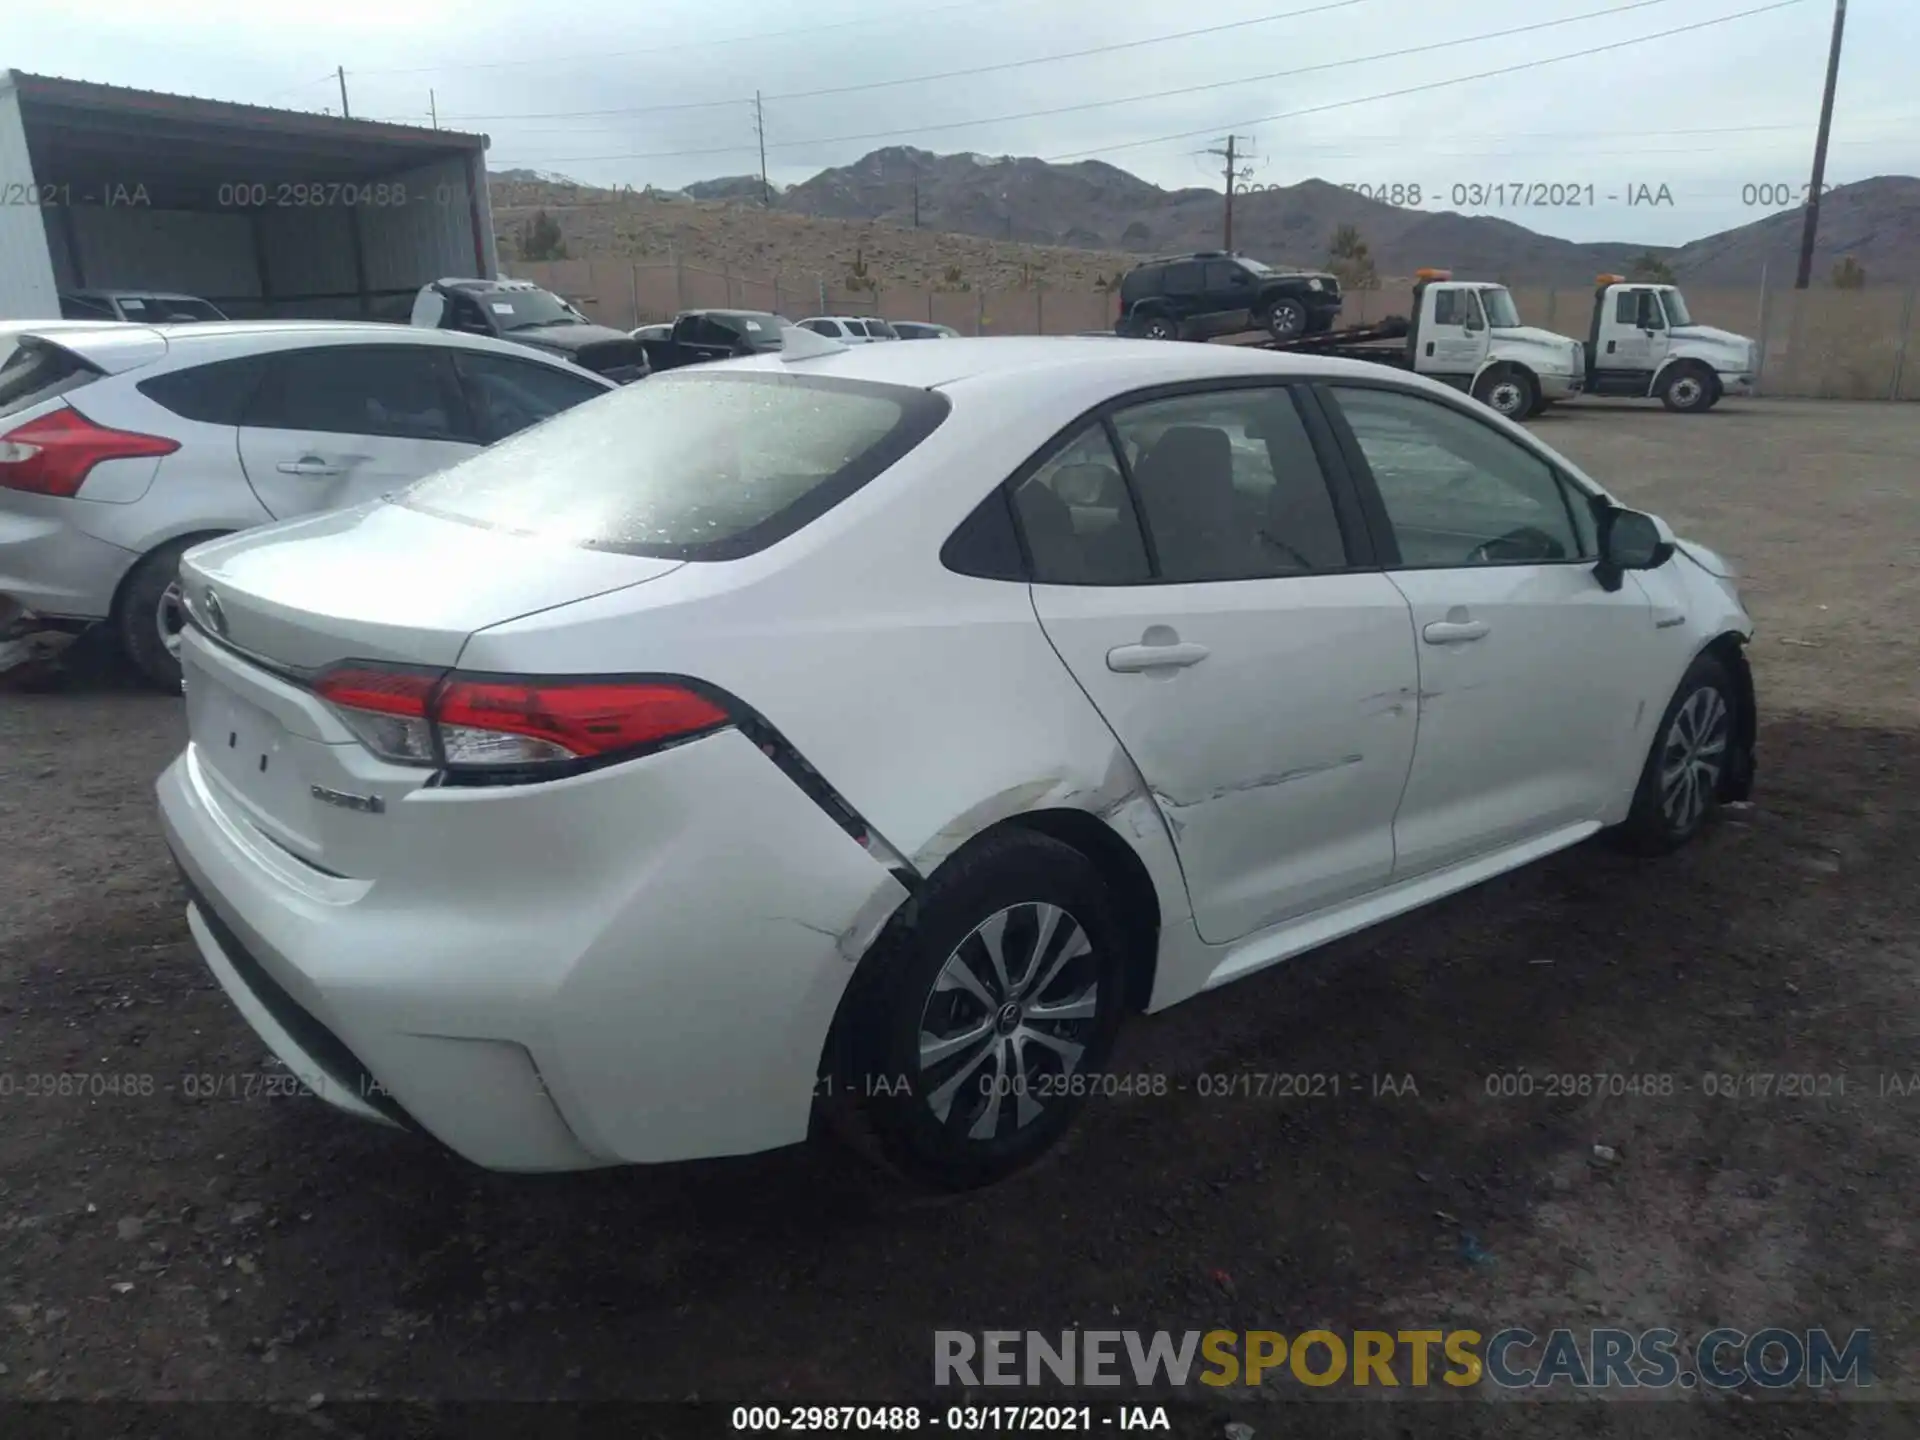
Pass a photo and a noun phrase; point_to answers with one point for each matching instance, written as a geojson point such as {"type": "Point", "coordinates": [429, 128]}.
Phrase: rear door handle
{"type": "Point", "coordinates": [308, 465]}
{"type": "Point", "coordinates": [1131, 659]}
{"type": "Point", "coordinates": [1454, 632]}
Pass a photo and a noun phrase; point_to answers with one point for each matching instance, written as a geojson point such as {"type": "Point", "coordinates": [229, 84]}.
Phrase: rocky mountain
{"type": "Point", "coordinates": [1875, 221]}
{"type": "Point", "coordinates": [739, 189]}
{"type": "Point", "coordinates": [1095, 206]}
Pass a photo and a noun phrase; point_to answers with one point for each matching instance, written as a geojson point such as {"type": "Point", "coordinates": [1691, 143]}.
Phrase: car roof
{"type": "Point", "coordinates": [116, 345]}
{"type": "Point", "coordinates": [124, 294]}
{"type": "Point", "coordinates": [1126, 364]}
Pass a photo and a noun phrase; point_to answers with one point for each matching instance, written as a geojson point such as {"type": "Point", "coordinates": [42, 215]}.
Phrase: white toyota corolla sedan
{"type": "Point", "coordinates": [895, 721]}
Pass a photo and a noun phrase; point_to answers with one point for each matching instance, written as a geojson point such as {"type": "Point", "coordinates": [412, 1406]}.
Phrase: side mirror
{"type": "Point", "coordinates": [1631, 540]}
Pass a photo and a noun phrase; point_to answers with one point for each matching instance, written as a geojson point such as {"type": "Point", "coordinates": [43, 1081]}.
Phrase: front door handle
{"type": "Point", "coordinates": [1131, 659]}
{"type": "Point", "coordinates": [1454, 632]}
{"type": "Point", "coordinates": [308, 465]}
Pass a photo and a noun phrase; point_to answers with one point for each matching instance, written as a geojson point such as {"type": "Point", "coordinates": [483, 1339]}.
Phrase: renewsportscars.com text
{"type": "Point", "coordinates": [1513, 1358]}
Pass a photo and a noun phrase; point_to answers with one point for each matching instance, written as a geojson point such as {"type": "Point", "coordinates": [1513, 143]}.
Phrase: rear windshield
{"type": "Point", "coordinates": [168, 309]}
{"type": "Point", "coordinates": [695, 465]}
{"type": "Point", "coordinates": [38, 371]}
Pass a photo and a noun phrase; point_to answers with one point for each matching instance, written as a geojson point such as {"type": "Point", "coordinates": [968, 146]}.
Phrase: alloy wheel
{"type": "Point", "coordinates": [1284, 322]}
{"type": "Point", "coordinates": [1011, 1012]}
{"type": "Point", "coordinates": [170, 618]}
{"type": "Point", "coordinates": [1693, 758]}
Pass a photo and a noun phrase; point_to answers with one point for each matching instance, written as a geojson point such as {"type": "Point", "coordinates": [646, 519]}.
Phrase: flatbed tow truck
{"type": "Point", "coordinates": [1467, 334]}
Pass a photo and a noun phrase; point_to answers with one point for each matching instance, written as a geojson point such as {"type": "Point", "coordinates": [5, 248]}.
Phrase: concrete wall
{"type": "Point", "coordinates": [1821, 343]}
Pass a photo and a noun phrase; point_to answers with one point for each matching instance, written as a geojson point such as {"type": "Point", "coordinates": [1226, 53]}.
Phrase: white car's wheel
{"type": "Point", "coordinates": [992, 1014]}
{"type": "Point", "coordinates": [150, 615]}
{"type": "Point", "coordinates": [1693, 754]}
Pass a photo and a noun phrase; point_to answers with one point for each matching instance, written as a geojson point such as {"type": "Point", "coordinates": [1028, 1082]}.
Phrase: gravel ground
{"type": "Point", "coordinates": [257, 1246]}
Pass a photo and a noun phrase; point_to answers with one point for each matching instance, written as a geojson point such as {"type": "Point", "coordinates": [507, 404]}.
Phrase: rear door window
{"type": "Point", "coordinates": [36, 372]}
{"type": "Point", "coordinates": [1231, 487]}
{"type": "Point", "coordinates": [506, 396]}
{"type": "Point", "coordinates": [215, 394]}
{"type": "Point", "coordinates": [1078, 518]}
{"type": "Point", "coordinates": [400, 391]}
{"type": "Point", "coordinates": [1185, 278]}
{"type": "Point", "coordinates": [693, 465]}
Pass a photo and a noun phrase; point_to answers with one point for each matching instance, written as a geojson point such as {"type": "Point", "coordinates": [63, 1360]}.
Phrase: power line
{"type": "Point", "coordinates": [1217, 84]}
{"type": "Point", "coordinates": [912, 15]}
{"type": "Point", "coordinates": [945, 74]}
{"type": "Point", "coordinates": [326, 79]}
{"type": "Point", "coordinates": [1439, 84]}
{"type": "Point", "coordinates": [1128, 99]}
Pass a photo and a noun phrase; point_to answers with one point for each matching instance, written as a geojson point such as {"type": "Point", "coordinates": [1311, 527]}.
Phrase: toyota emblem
{"type": "Point", "coordinates": [216, 617]}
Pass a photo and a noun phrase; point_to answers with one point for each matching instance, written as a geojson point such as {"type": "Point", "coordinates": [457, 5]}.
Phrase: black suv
{"type": "Point", "coordinates": [1195, 297]}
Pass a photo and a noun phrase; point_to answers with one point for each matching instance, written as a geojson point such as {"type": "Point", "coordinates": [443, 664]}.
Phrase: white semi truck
{"type": "Point", "coordinates": [1643, 342]}
{"type": "Point", "coordinates": [1468, 334]}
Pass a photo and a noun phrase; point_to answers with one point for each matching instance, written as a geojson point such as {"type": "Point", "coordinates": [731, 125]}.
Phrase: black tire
{"type": "Point", "coordinates": [1507, 390]}
{"type": "Point", "coordinates": [1689, 389]}
{"type": "Point", "coordinates": [931, 1117]}
{"type": "Point", "coordinates": [1700, 728]}
{"type": "Point", "coordinates": [137, 614]}
{"type": "Point", "coordinates": [1286, 319]}
{"type": "Point", "coordinates": [1157, 327]}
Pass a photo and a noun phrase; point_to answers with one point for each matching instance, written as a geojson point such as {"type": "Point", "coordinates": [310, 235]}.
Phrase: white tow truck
{"type": "Point", "coordinates": [1468, 334]}
{"type": "Point", "coordinates": [1643, 342]}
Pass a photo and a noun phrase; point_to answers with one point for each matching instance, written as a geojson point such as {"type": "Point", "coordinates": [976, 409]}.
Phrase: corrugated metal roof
{"type": "Point", "coordinates": [91, 94]}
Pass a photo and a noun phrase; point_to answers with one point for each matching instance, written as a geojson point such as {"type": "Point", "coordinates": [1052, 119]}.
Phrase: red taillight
{"type": "Point", "coordinates": [587, 719]}
{"type": "Point", "coordinates": [54, 454]}
{"type": "Point", "coordinates": [425, 718]}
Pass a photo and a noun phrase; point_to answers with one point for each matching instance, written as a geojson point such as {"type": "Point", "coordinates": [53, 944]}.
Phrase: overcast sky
{"type": "Point", "coordinates": [1723, 117]}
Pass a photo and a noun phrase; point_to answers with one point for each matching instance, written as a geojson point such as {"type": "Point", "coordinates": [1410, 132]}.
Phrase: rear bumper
{"type": "Point", "coordinates": [666, 997]}
{"type": "Point", "coordinates": [50, 567]}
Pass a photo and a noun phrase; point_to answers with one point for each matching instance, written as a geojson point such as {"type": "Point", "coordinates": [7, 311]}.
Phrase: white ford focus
{"type": "Point", "coordinates": [897, 720]}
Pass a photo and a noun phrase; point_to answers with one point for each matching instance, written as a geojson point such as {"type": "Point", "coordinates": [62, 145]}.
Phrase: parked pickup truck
{"type": "Point", "coordinates": [701, 335]}
{"type": "Point", "coordinates": [520, 311]}
{"type": "Point", "coordinates": [1644, 342]}
{"type": "Point", "coordinates": [1465, 333]}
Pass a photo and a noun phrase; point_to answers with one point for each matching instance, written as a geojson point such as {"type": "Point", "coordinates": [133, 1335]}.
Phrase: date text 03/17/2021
{"type": "Point", "coordinates": [954, 1419]}
{"type": "Point", "coordinates": [1505, 194]}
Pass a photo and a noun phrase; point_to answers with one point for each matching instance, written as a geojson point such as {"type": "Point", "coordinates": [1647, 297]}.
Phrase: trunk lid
{"type": "Point", "coordinates": [382, 582]}
{"type": "Point", "coordinates": [379, 583]}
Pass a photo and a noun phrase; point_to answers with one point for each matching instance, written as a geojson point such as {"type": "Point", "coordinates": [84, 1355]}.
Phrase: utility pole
{"type": "Point", "coordinates": [1232, 155]}
{"type": "Point", "coordinates": [916, 202]}
{"type": "Point", "coordinates": [760, 129]}
{"type": "Point", "coordinates": [1820, 150]}
{"type": "Point", "coordinates": [341, 71]}
{"type": "Point", "coordinates": [433, 109]}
